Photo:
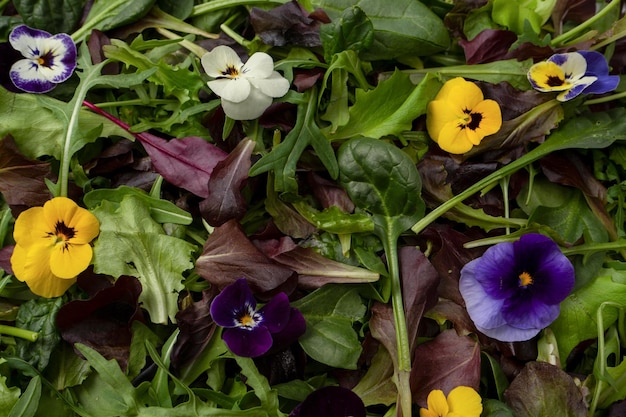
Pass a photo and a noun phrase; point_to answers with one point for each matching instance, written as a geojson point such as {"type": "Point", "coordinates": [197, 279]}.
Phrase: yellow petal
{"type": "Point", "coordinates": [465, 402]}
{"type": "Point", "coordinates": [491, 121]}
{"type": "Point", "coordinates": [30, 227]}
{"type": "Point", "coordinates": [464, 94]}
{"type": "Point", "coordinates": [33, 267]}
{"type": "Point", "coordinates": [454, 139]}
{"type": "Point", "coordinates": [67, 261]}
{"type": "Point", "coordinates": [548, 76]}
{"type": "Point", "coordinates": [64, 210]}
{"type": "Point", "coordinates": [437, 403]}
{"type": "Point", "coordinates": [438, 114]}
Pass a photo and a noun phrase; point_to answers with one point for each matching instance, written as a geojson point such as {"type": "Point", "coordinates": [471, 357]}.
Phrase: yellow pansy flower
{"type": "Point", "coordinates": [459, 117]}
{"type": "Point", "coordinates": [52, 245]}
{"type": "Point", "coordinates": [461, 402]}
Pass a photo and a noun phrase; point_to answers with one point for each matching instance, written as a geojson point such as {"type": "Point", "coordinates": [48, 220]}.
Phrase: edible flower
{"type": "Point", "coordinates": [48, 59]}
{"type": "Point", "coordinates": [514, 290]}
{"type": "Point", "coordinates": [52, 245]}
{"type": "Point", "coordinates": [246, 89]}
{"type": "Point", "coordinates": [462, 401]}
{"type": "Point", "coordinates": [459, 117]}
{"type": "Point", "coordinates": [330, 401]}
{"type": "Point", "coordinates": [573, 73]}
{"type": "Point", "coordinates": [251, 332]}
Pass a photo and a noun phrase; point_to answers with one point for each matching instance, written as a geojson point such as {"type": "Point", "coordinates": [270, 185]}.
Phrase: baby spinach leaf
{"type": "Point", "coordinates": [353, 30]}
{"type": "Point", "coordinates": [383, 181]}
{"type": "Point", "coordinates": [54, 16]}
{"type": "Point", "coordinates": [401, 27]}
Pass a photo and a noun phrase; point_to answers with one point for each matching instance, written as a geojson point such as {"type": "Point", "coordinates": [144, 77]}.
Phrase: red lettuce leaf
{"type": "Point", "coordinates": [186, 162]}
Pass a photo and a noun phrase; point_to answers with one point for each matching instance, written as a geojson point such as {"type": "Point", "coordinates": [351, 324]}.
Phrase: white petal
{"type": "Point", "coordinates": [249, 109]}
{"type": "Point", "coordinates": [231, 89]}
{"type": "Point", "coordinates": [260, 65]}
{"type": "Point", "coordinates": [574, 67]}
{"type": "Point", "coordinates": [274, 86]}
{"type": "Point", "coordinates": [26, 40]}
{"type": "Point", "coordinates": [217, 62]}
{"type": "Point", "coordinates": [27, 76]}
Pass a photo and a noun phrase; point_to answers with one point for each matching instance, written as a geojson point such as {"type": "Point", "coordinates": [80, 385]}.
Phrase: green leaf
{"type": "Point", "coordinates": [8, 396]}
{"type": "Point", "coordinates": [54, 16]}
{"type": "Point", "coordinates": [38, 315]}
{"type": "Point", "coordinates": [401, 28]}
{"type": "Point", "coordinates": [578, 320]}
{"type": "Point", "coordinates": [330, 312]}
{"type": "Point", "coordinates": [29, 401]}
{"type": "Point", "coordinates": [389, 109]}
{"type": "Point", "coordinates": [132, 243]}
{"type": "Point", "coordinates": [106, 14]}
{"type": "Point", "coordinates": [284, 157]}
{"type": "Point", "coordinates": [352, 31]}
{"type": "Point", "coordinates": [162, 211]}
{"type": "Point", "coordinates": [512, 15]}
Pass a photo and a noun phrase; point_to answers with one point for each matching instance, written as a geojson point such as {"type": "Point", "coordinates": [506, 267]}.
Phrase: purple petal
{"type": "Point", "coordinates": [596, 63]}
{"type": "Point", "coordinates": [559, 59]}
{"type": "Point", "coordinates": [496, 271]}
{"type": "Point", "coordinates": [22, 38]}
{"type": "Point", "coordinates": [603, 85]}
{"type": "Point", "coordinates": [26, 76]}
{"type": "Point", "coordinates": [249, 343]}
{"type": "Point", "coordinates": [276, 313]}
{"type": "Point", "coordinates": [330, 402]}
{"type": "Point", "coordinates": [527, 312]}
{"type": "Point", "coordinates": [232, 300]}
{"type": "Point", "coordinates": [575, 91]}
{"type": "Point", "coordinates": [508, 333]}
{"type": "Point", "coordinates": [483, 309]}
{"type": "Point", "coordinates": [292, 331]}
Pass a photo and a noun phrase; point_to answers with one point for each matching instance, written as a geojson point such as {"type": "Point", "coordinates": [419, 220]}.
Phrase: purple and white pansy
{"type": "Point", "coordinates": [514, 290]}
{"type": "Point", "coordinates": [48, 59]}
{"type": "Point", "coordinates": [252, 332]}
{"type": "Point", "coordinates": [573, 73]}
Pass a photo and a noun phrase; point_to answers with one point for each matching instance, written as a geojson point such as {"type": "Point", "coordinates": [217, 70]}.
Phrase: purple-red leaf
{"type": "Point", "coordinates": [444, 363]}
{"type": "Point", "coordinates": [104, 321]}
{"type": "Point", "coordinates": [186, 162]}
{"type": "Point", "coordinates": [228, 255]}
{"type": "Point", "coordinates": [224, 201]}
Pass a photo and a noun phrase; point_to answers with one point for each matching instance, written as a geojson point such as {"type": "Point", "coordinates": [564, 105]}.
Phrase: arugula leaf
{"type": "Point", "coordinates": [401, 28]}
{"type": "Point", "coordinates": [143, 250]}
{"type": "Point", "coordinates": [329, 313]}
{"type": "Point", "coordinates": [29, 401]}
{"type": "Point", "coordinates": [8, 396]}
{"type": "Point", "coordinates": [54, 16]}
{"type": "Point", "coordinates": [383, 180]}
{"type": "Point", "coordinates": [389, 109]}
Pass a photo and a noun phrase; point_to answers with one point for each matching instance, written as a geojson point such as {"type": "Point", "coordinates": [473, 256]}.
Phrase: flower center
{"type": "Point", "coordinates": [525, 279]}
{"type": "Point", "coordinates": [554, 81]}
{"type": "Point", "coordinates": [471, 120]}
{"type": "Point", "coordinates": [46, 59]}
{"type": "Point", "coordinates": [62, 234]}
{"type": "Point", "coordinates": [230, 72]}
{"type": "Point", "coordinates": [248, 318]}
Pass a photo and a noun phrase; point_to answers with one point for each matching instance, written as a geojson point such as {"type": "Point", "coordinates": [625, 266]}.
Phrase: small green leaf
{"type": "Point", "coordinates": [106, 15]}
{"type": "Point", "coordinates": [132, 243]}
{"type": "Point", "coordinates": [29, 401]}
{"type": "Point", "coordinates": [353, 30]}
{"type": "Point", "coordinates": [38, 315]}
{"type": "Point", "coordinates": [54, 16]}
{"type": "Point", "coordinates": [329, 313]}
{"type": "Point", "coordinates": [8, 396]}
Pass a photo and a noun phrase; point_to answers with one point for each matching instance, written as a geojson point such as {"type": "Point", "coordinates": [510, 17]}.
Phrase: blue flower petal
{"type": "Point", "coordinates": [230, 302]}
{"type": "Point", "coordinates": [248, 343]}
{"type": "Point", "coordinates": [483, 309]}
{"type": "Point", "coordinates": [529, 313]}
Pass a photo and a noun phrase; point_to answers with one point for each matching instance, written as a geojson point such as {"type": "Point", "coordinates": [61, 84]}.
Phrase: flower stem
{"type": "Point", "coordinates": [17, 332]}
{"type": "Point", "coordinates": [215, 5]}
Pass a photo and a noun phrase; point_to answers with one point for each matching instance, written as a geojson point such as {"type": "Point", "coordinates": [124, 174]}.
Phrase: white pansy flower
{"type": "Point", "coordinates": [246, 89]}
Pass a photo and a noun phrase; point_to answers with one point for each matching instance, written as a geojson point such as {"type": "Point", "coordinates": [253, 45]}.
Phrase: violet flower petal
{"type": "Point", "coordinates": [292, 331]}
{"type": "Point", "coordinates": [529, 313]}
{"type": "Point", "coordinates": [597, 66]}
{"type": "Point", "coordinates": [248, 343]}
{"type": "Point", "coordinates": [276, 313]}
{"type": "Point", "coordinates": [496, 264]}
{"type": "Point", "coordinates": [230, 302]}
{"type": "Point", "coordinates": [330, 402]}
{"type": "Point", "coordinates": [483, 309]}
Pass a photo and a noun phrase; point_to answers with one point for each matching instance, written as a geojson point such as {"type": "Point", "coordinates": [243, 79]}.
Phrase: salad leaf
{"type": "Point", "coordinates": [105, 15]}
{"type": "Point", "coordinates": [54, 16]}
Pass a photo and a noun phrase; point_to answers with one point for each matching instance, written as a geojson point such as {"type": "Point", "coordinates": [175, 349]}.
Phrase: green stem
{"type": "Point", "coordinates": [136, 102]}
{"type": "Point", "coordinates": [197, 50]}
{"type": "Point", "coordinates": [17, 332]}
{"type": "Point", "coordinates": [216, 5]}
{"type": "Point", "coordinates": [605, 99]}
{"type": "Point", "coordinates": [561, 39]}
{"type": "Point", "coordinates": [595, 247]}
{"type": "Point", "coordinates": [66, 156]}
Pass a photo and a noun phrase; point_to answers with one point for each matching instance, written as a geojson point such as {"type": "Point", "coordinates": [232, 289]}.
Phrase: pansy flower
{"type": "Point", "coordinates": [573, 73]}
{"type": "Point", "coordinates": [48, 59]}
{"type": "Point", "coordinates": [52, 245]}
{"type": "Point", "coordinates": [461, 402]}
{"type": "Point", "coordinates": [459, 117]}
{"type": "Point", "coordinates": [246, 89]}
{"type": "Point", "coordinates": [514, 290]}
{"type": "Point", "coordinates": [251, 332]}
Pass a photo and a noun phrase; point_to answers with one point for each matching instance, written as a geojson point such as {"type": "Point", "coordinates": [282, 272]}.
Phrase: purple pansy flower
{"type": "Point", "coordinates": [48, 59]}
{"type": "Point", "coordinates": [514, 290]}
{"type": "Point", "coordinates": [250, 332]}
{"type": "Point", "coordinates": [573, 73]}
{"type": "Point", "coordinates": [330, 401]}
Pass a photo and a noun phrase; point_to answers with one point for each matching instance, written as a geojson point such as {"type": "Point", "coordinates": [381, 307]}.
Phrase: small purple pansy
{"type": "Point", "coordinates": [251, 332]}
{"type": "Point", "coordinates": [572, 74]}
{"type": "Point", "coordinates": [48, 59]}
{"type": "Point", "coordinates": [514, 290]}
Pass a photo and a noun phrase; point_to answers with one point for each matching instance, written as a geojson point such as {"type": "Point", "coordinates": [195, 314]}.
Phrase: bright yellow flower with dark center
{"type": "Point", "coordinates": [461, 402]}
{"type": "Point", "coordinates": [52, 245]}
{"type": "Point", "coordinates": [459, 117]}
